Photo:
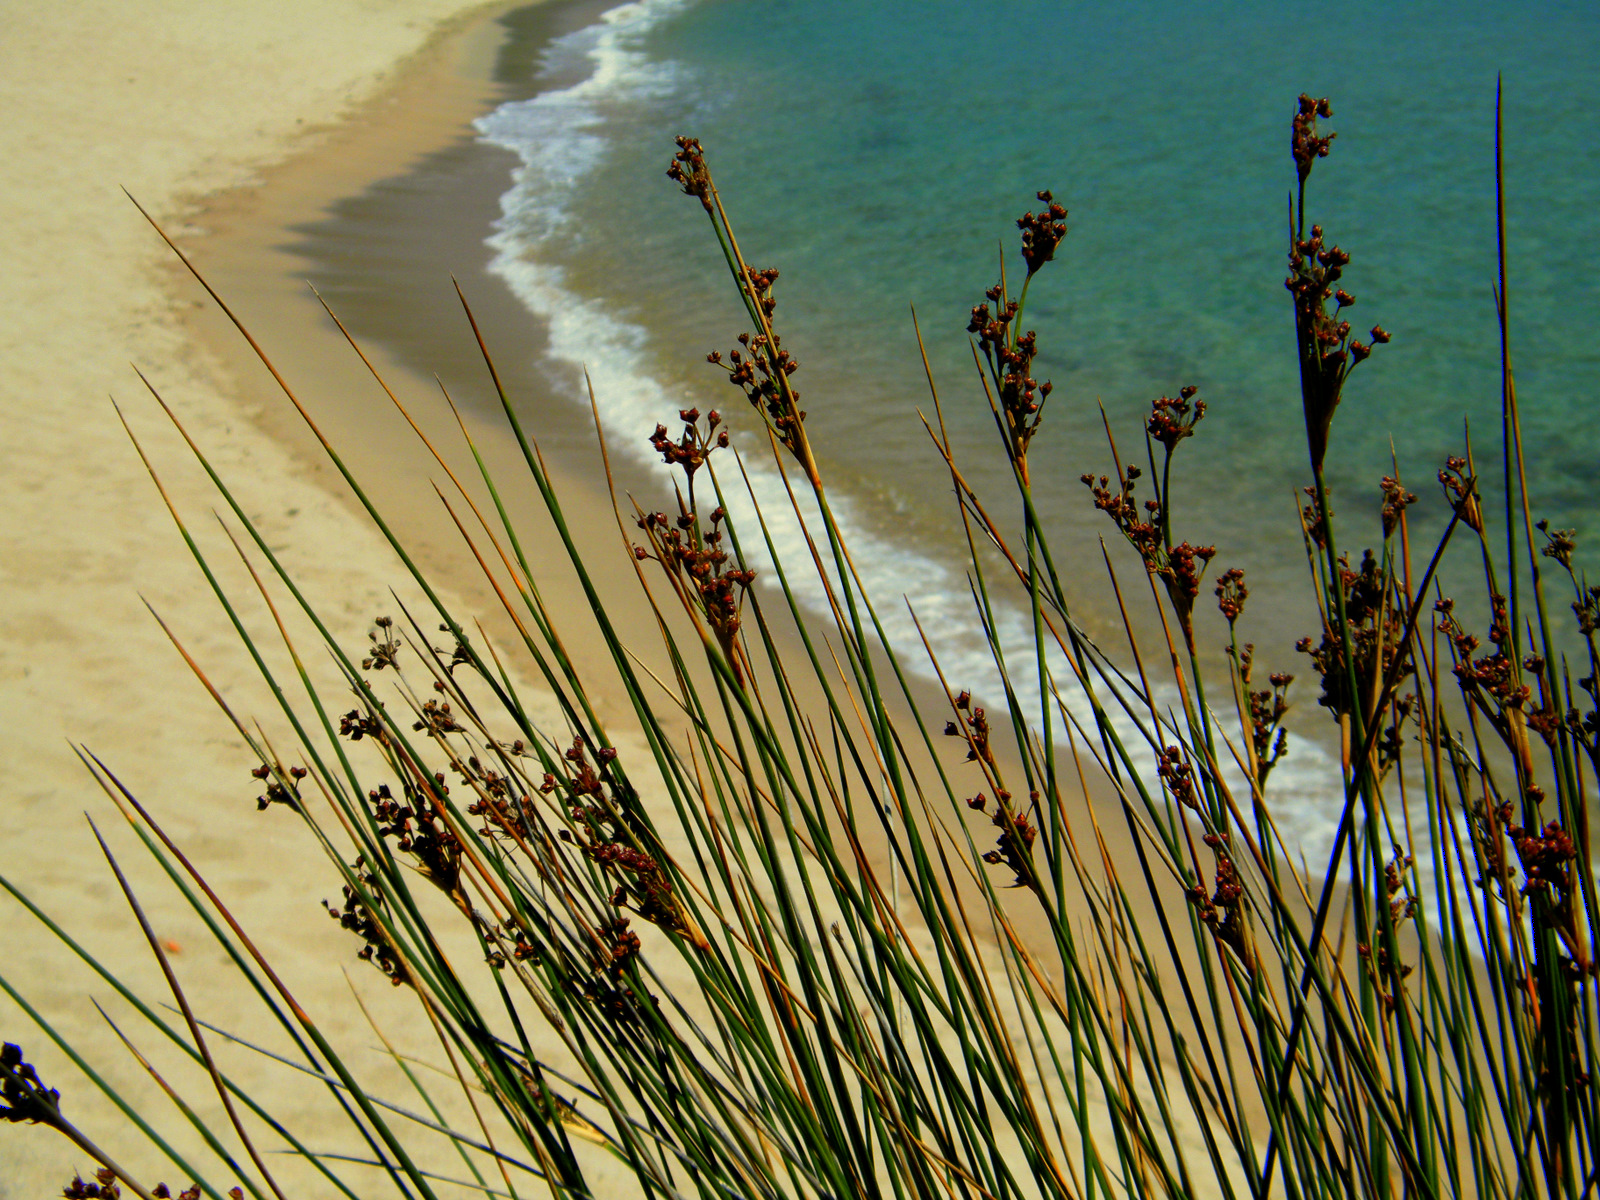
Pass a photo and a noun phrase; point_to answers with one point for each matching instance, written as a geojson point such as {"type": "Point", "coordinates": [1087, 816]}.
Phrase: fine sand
{"type": "Point", "coordinates": [174, 101]}
{"type": "Point", "coordinates": [270, 148]}
{"type": "Point", "coordinates": [234, 130]}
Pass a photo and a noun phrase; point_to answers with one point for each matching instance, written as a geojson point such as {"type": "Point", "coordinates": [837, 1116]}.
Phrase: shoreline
{"type": "Point", "coordinates": [378, 242]}
{"type": "Point", "coordinates": [194, 772]}
{"type": "Point", "coordinates": [398, 251]}
{"type": "Point", "coordinates": [373, 219]}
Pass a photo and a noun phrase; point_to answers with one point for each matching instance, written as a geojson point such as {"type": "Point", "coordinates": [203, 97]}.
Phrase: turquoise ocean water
{"type": "Point", "coordinates": [878, 155]}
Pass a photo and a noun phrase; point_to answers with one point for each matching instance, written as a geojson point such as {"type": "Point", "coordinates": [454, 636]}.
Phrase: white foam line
{"type": "Point", "coordinates": [559, 137]}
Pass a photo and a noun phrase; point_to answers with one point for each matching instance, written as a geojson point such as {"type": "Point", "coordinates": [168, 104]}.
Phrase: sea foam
{"type": "Point", "coordinates": [559, 135]}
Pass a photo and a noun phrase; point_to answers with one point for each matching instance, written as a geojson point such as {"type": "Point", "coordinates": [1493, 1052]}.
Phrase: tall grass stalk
{"type": "Point", "coordinates": [787, 943]}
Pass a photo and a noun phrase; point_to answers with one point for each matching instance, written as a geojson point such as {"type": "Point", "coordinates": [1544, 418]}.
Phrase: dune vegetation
{"type": "Point", "coordinates": [807, 927]}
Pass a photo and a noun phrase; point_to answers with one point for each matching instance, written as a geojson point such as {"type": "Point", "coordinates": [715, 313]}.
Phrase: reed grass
{"type": "Point", "coordinates": [789, 944]}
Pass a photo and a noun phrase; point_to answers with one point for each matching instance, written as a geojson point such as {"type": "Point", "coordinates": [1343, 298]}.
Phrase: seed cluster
{"type": "Point", "coordinates": [385, 646]}
{"type": "Point", "coordinates": [418, 830]}
{"type": "Point", "coordinates": [357, 916]}
{"type": "Point", "coordinates": [1305, 146]}
{"type": "Point", "coordinates": [1172, 420]}
{"type": "Point", "coordinates": [760, 368]}
{"type": "Point", "coordinates": [688, 171]}
{"type": "Point", "coordinates": [1267, 708]}
{"type": "Point", "coordinates": [26, 1098]}
{"type": "Point", "coordinates": [1375, 627]}
{"type": "Point", "coordinates": [639, 881]}
{"type": "Point", "coordinates": [1041, 234]}
{"type": "Point", "coordinates": [1014, 847]}
{"type": "Point", "coordinates": [974, 727]}
{"type": "Point", "coordinates": [1007, 351]}
{"type": "Point", "coordinates": [1146, 527]}
{"type": "Point", "coordinates": [703, 573]}
{"type": "Point", "coordinates": [1461, 492]}
{"type": "Point", "coordinates": [1223, 910]}
{"type": "Point", "coordinates": [279, 792]}
{"type": "Point", "coordinates": [1327, 351]}
{"type": "Point", "coordinates": [105, 1187]}
{"type": "Point", "coordinates": [1231, 594]}
{"type": "Point", "coordinates": [1492, 678]}
{"type": "Point", "coordinates": [1010, 357]}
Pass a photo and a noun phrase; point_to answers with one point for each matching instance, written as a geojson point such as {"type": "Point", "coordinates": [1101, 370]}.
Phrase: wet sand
{"type": "Point", "coordinates": [383, 220]}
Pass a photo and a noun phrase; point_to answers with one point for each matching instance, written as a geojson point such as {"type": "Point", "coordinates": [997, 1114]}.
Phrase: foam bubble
{"type": "Point", "coordinates": [559, 136]}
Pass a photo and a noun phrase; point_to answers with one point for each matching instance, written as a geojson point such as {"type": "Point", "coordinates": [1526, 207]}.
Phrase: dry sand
{"type": "Point", "coordinates": [173, 101]}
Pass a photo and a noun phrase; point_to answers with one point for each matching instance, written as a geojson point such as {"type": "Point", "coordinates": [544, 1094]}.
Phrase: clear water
{"type": "Point", "coordinates": [878, 155]}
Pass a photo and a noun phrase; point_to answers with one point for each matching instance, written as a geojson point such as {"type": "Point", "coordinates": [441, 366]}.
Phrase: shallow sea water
{"type": "Point", "coordinates": [879, 154]}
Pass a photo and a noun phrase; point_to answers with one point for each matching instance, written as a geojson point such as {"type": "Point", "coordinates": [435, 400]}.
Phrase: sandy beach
{"type": "Point", "coordinates": [242, 147]}
{"type": "Point", "coordinates": [269, 147]}
{"type": "Point", "coordinates": [175, 102]}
